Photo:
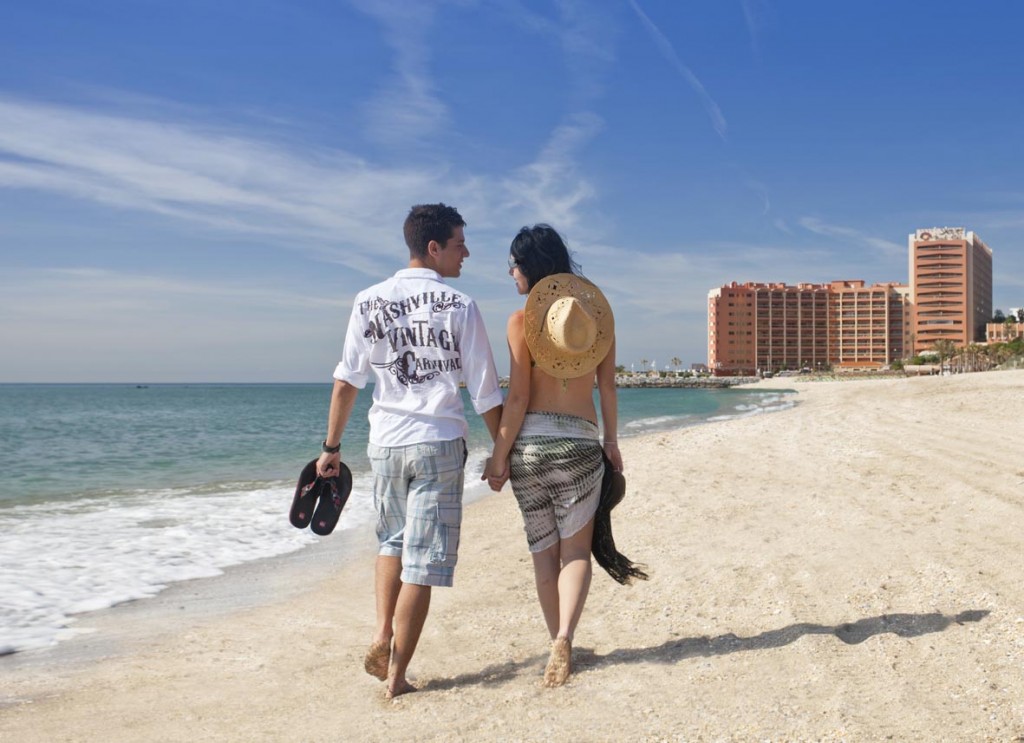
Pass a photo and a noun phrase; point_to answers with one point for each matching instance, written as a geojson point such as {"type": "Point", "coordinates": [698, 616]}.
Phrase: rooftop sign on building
{"type": "Point", "coordinates": [941, 233]}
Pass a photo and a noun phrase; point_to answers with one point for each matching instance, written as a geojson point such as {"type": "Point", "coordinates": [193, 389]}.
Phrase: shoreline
{"type": "Point", "coordinates": [117, 631]}
{"type": "Point", "coordinates": [844, 569]}
{"type": "Point", "coordinates": [95, 565]}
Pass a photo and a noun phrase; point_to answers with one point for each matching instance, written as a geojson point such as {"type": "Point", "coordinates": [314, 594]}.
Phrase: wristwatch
{"type": "Point", "coordinates": [330, 449]}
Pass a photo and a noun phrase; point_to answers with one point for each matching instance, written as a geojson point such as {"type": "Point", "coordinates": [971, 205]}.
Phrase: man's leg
{"type": "Point", "coordinates": [410, 616]}
{"type": "Point", "coordinates": [429, 548]}
{"type": "Point", "coordinates": [389, 500]}
{"type": "Point", "coordinates": [388, 582]}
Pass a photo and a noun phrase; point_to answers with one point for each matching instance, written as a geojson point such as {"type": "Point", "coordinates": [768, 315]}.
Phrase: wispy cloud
{"type": "Point", "coordinates": [550, 185]}
{"type": "Point", "coordinates": [853, 236]}
{"type": "Point", "coordinates": [407, 110]}
{"type": "Point", "coordinates": [228, 179]}
{"type": "Point", "coordinates": [1004, 219]}
{"type": "Point", "coordinates": [325, 201]}
{"type": "Point", "coordinates": [762, 191]}
{"type": "Point", "coordinates": [586, 37]}
{"type": "Point", "coordinates": [754, 15]}
{"type": "Point", "coordinates": [669, 53]}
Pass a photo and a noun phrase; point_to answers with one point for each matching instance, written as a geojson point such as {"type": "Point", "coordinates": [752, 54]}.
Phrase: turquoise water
{"type": "Point", "coordinates": [110, 492]}
{"type": "Point", "coordinates": [70, 441]}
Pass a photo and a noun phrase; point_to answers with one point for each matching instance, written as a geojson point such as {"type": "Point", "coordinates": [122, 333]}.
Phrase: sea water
{"type": "Point", "coordinates": [110, 492]}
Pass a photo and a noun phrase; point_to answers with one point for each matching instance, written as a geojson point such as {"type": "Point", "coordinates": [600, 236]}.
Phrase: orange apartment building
{"type": "Point", "coordinates": [756, 327]}
{"type": "Point", "coordinates": [731, 324]}
{"type": "Point", "coordinates": [950, 287]}
{"type": "Point", "coordinates": [1003, 332]}
{"type": "Point", "coordinates": [869, 324]}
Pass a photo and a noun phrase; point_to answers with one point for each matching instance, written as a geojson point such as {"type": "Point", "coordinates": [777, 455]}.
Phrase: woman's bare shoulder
{"type": "Point", "coordinates": [517, 320]}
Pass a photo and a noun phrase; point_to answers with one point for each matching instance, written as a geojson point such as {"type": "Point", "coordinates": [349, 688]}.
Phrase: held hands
{"type": "Point", "coordinates": [496, 473]}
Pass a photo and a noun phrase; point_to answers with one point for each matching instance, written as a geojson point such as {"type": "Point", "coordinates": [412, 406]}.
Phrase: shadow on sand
{"type": "Point", "coordinates": [492, 675]}
{"type": "Point", "coordinates": [673, 651]}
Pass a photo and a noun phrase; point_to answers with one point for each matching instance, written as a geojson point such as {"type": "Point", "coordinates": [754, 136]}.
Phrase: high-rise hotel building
{"type": "Point", "coordinates": [950, 287]}
{"type": "Point", "coordinates": [756, 327]}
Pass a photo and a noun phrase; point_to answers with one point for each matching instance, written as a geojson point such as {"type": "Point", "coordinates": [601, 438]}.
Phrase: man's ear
{"type": "Point", "coordinates": [433, 248]}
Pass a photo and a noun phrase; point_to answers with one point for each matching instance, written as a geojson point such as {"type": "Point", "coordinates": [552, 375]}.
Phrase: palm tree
{"type": "Point", "coordinates": [1000, 352]}
{"type": "Point", "coordinates": [643, 363]}
{"type": "Point", "coordinates": [945, 349]}
{"type": "Point", "coordinates": [969, 357]}
{"type": "Point", "coordinates": [1009, 328]}
{"type": "Point", "coordinates": [676, 363]}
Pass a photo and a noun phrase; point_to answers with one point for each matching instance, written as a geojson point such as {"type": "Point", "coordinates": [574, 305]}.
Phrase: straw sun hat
{"type": "Point", "coordinates": [569, 325]}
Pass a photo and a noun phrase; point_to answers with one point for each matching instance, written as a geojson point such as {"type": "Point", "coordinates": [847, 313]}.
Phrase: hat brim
{"type": "Point", "coordinates": [546, 355]}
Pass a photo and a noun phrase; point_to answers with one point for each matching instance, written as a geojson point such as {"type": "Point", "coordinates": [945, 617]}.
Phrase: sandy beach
{"type": "Point", "coordinates": [849, 569]}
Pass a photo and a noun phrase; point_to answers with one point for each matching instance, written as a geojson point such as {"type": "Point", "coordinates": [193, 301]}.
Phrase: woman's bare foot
{"type": "Point", "coordinates": [398, 688]}
{"type": "Point", "coordinates": [560, 662]}
{"type": "Point", "coordinates": [378, 658]}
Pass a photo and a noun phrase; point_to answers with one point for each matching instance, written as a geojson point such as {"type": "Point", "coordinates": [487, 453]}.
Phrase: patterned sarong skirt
{"type": "Point", "coordinates": [556, 469]}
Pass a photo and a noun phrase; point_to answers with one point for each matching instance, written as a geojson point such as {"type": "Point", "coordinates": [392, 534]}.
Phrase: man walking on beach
{"type": "Point", "coordinates": [417, 340]}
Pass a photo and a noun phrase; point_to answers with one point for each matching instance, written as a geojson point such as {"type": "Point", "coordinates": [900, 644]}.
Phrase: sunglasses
{"type": "Point", "coordinates": [511, 262]}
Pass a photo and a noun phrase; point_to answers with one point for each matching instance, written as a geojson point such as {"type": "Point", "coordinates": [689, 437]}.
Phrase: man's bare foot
{"type": "Point", "coordinates": [560, 662]}
{"type": "Point", "coordinates": [378, 658]}
{"type": "Point", "coordinates": [398, 688]}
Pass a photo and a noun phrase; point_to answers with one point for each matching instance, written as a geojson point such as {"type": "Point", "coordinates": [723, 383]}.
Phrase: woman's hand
{"type": "Point", "coordinates": [611, 450]}
{"type": "Point", "coordinates": [496, 473]}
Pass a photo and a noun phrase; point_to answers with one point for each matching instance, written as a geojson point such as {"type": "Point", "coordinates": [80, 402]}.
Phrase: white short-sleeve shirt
{"type": "Point", "coordinates": [418, 340]}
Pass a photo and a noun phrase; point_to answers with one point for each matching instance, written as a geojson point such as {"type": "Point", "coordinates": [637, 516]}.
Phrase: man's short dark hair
{"type": "Point", "coordinates": [428, 222]}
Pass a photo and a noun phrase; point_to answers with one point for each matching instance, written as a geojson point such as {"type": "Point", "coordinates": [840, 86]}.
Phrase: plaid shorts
{"type": "Point", "coordinates": [417, 492]}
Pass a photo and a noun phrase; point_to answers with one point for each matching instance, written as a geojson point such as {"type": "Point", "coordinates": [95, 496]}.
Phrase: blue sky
{"type": "Point", "coordinates": [194, 191]}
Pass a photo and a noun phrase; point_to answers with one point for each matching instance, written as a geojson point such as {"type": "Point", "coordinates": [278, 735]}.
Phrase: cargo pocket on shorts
{"type": "Point", "coordinates": [445, 547]}
{"type": "Point", "coordinates": [379, 456]}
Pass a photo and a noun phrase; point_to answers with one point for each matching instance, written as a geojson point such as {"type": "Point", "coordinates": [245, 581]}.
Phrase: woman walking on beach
{"type": "Point", "coordinates": [548, 438]}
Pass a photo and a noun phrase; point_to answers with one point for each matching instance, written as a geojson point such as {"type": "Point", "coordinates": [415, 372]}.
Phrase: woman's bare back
{"type": "Point", "coordinates": [568, 396]}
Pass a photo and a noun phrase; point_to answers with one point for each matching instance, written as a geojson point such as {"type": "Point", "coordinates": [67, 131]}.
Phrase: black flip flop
{"type": "Point", "coordinates": [306, 493]}
{"type": "Point", "coordinates": [334, 492]}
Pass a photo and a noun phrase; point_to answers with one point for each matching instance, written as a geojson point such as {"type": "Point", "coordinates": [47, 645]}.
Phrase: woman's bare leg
{"type": "Point", "coordinates": [574, 574]}
{"type": "Point", "coordinates": [546, 566]}
{"type": "Point", "coordinates": [574, 579]}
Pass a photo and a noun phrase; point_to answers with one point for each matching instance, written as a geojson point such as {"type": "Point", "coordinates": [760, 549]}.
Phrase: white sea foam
{"type": "Point", "coordinates": [657, 422]}
{"type": "Point", "coordinates": [767, 404]}
{"type": "Point", "coordinates": [63, 558]}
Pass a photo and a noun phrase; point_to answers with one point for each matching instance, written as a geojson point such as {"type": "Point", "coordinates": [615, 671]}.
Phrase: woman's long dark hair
{"type": "Point", "coordinates": [540, 251]}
